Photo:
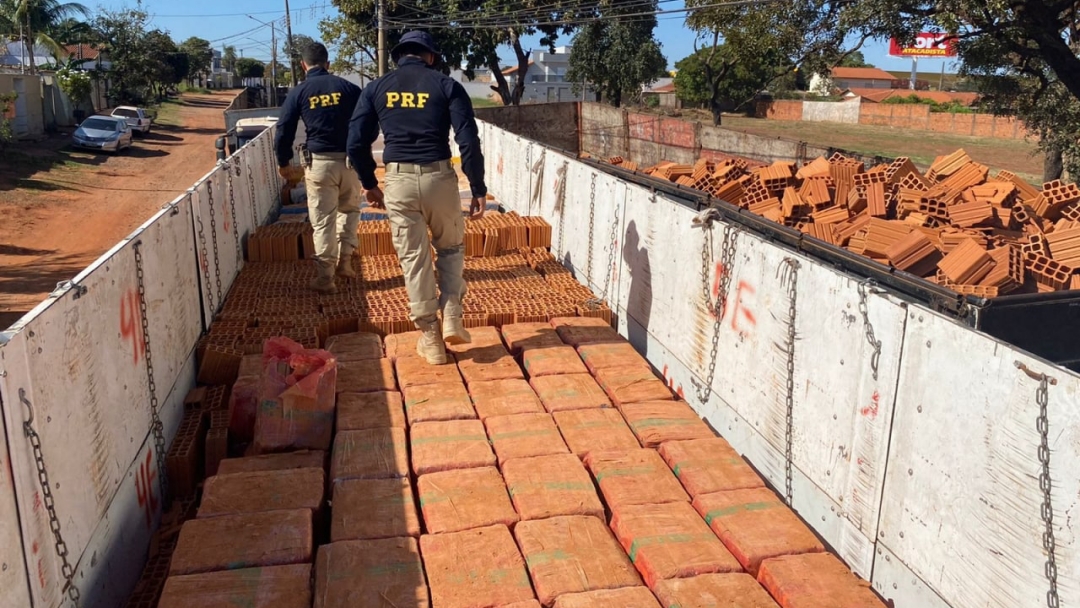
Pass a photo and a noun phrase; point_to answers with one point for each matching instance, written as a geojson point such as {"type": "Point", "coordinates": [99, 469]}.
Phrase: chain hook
{"type": "Point", "coordinates": [29, 408]}
{"type": "Point", "coordinates": [869, 286]}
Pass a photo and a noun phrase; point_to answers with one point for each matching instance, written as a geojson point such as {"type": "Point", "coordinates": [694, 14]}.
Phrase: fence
{"type": "Point", "coordinates": [82, 370]}
{"type": "Point", "coordinates": [911, 442]}
{"type": "Point", "coordinates": [901, 116]}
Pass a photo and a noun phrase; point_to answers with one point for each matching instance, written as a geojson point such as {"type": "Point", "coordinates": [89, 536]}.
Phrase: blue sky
{"type": "Point", "coordinates": [228, 23]}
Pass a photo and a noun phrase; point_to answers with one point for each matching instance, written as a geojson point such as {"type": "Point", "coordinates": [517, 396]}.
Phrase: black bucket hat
{"type": "Point", "coordinates": [414, 38]}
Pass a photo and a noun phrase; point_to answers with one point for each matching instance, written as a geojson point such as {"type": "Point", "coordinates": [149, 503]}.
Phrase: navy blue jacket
{"type": "Point", "coordinates": [325, 102]}
{"type": "Point", "coordinates": [415, 106]}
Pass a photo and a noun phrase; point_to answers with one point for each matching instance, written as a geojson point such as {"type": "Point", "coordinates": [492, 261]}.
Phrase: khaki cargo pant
{"type": "Point", "coordinates": [419, 197]}
{"type": "Point", "coordinates": [333, 192]}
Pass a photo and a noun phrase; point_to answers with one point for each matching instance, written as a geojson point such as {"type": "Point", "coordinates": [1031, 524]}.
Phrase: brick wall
{"type": "Point", "coordinates": [910, 116]}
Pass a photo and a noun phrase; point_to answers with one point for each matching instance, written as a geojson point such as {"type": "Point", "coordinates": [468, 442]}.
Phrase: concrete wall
{"type": "Point", "coordinates": [827, 111]}
{"type": "Point", "coordinates": [28, 116]}
{"type": "Point", "coordinates": [903, 116]}
{"type": "Point", "coordinates": [553, 124]}
{"type": "Point", "coordinates": [648, 139]}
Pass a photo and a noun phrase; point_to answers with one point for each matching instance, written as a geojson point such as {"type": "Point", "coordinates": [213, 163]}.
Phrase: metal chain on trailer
{"type": "Point", "coordinates": [66, 569]}
{"type": "Point", "coordinates": [560, 201]}
{"type": "Point", "coordinates": [538, 191]}
{"type": "Point", "coordinates": [592, 223]}
{"type": "Point", "coordinates": [156, 425]}
{"type": "Point", "coordinates": [251, 192]}
{"type": "Point", "coordinates": [609, 270]}
{"type": "Point", "coordinates": [1042, 424]}
{"type": "Point", "coordinates": [864, 310]}
{"type": "Point", "coordinates": [231, 166]}
{"type": "Point", "coordinates": [202, 250]}
{"type": "Point", "coordinates": [213, 237]}
{"type": "Point", "coordinates": [790, 278]}
{"type": "Point", "coordinates": [718, 307]}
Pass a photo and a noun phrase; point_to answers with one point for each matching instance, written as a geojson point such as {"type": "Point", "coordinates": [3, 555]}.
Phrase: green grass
{"type": "Point", "coordinates": [186, 88]}
{"type": "Point", "coordinates": [480, 102]}
{"type": "Point", "coordinates": [168, 113]}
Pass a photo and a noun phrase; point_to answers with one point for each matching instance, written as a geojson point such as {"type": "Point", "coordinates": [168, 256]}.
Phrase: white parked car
{"type": "Point", "coordinates": [103, 133]}
{"type": "Point", "coordinates": [138, 119]}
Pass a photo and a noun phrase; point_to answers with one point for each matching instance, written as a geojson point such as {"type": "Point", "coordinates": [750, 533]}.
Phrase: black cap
{"type": "Point", "coordinates": [414, 38]}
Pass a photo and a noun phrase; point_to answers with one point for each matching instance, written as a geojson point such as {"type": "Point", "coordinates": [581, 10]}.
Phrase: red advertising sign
{"type": "Point", "coordinates": [927, 44]}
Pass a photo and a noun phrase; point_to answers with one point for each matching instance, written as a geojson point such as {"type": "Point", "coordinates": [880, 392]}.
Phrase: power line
{"type": "Point", "coordinates": [295, 10]}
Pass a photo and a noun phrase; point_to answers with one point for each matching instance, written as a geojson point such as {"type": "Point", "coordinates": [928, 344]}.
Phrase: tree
{"type": "Point", "coordinates": [812, 35]}
{"type": "Point", "coordinates": [617, 55]}
{"type": "Point", "coordinates": [124, 36]}
{"type": "Point", "coordinates": [352, 45]}
{"type": "Point", "coordinates": [294, 53]}
{"type": "Point", "coordinates": [228, 59]}
{"type": "Point", "coordinates": [200, 57]}
{"type": "Point", "coordinates": [854, 60]}
{"type": "Point", "coordinates": [38, 22]}
{"type": "Point", "coordinates": [169, 66]}
{"type": "Point", "coordinates": [246, 67]}
{"type": "Point", "coordinates": [738, 87]}
{"type": "Point", "coordinates": [7, 134]}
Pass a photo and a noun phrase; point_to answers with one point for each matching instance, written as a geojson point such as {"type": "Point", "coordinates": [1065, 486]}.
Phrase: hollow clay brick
{"type": "Point", "coordinates": [627, 597]}
{"type": "Point", "coordinates": [573, 554]}
{"type": "Point", "coordinates": [737, 590]}
{"type": "Point", "coordinates": [454, 444]}
{"type": "Point", "coordinates": [451, 501]}
{"type": "Point", "coordinates": [366, 376]}
{"type": "Point", "coordinates": [523, 336]}
{"type": "Point", "coordinates": [572, 392]}
{"type": "Point", "coordinates": [598, 430]}
{"type": "Point", "coordinates": [479, 567]}
{"type": "Point", "coordinates": [632, 385]}
{"type": "Point", "coordinates": [704, 466]}
{"type": "Point", "coordinates": [370, 454]}
{"type": "Point", "coordinates": [549, 486]}
{"type": "Point", "coordinates": [967, 263]}
{"type": "Point", "coordinates": [417, 372]}
{"type": "Point", "coordinates": [365, 509]}
{"type": "Point", "coordinates": [385, 572]}
{"type": "Point", "coordinates": [503, 398]}
{"type": "Point", "coordinates": [300, 459]}
{"type": "Point", "coordinates": [236, 493]}
{"type": "Point", "coordinates": [552, 361]}
{"type": "Point", "coordinates": [524, 436]}
{"type": "Point", "coordinates": [816, 580]}
{"type": "Point", "coordinates": [670, 541]}
{"type": "Point", "coordinates": [355, 347]}
{"type": "Point", "coordinates": [269, 587]}
{"type": "Point", "coordinates": [754, 525]}
{"type": "Point", "coordinates": [230, 542]}
{"type": "Point", "coordinates": [360, 411]}
{"type": "Point", "coordinates": [442, 401]}
{"type": "Point", "coordinates": [657, 422]}
{"type": "Point", "coordinates": [634, 477]}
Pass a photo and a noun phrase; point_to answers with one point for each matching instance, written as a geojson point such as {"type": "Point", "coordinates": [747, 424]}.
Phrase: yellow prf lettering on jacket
{"type": "Point", "coordinates": [324, 101]}
{"type": "Point", "coordinates": [407, 100]}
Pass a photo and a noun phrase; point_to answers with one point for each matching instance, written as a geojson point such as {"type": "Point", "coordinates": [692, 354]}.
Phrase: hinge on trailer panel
{"type": "Point", "coordinates": [789, 277]}
{"type": "Point", "coordinates": [156, 426]}
{"type": "Point", "coordinates": [66, 568]}
{"type": "Point", "coordinates": [63, 286]}
{"type": "Point", "coordinates": [865, 287]}
{"type": "Point", "coordinates": [1042, 398]}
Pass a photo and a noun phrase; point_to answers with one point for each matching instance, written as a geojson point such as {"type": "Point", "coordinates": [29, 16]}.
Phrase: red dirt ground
{"type": "Point", "coordinates": [64, 208]}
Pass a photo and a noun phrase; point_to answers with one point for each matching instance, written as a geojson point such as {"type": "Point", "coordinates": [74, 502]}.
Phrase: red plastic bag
{"type": "Point", "coordinates": [296, 398]}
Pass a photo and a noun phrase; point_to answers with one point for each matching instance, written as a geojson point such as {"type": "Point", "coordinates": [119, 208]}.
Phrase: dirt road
{"type": "Point", "coordinates": [63, 208]}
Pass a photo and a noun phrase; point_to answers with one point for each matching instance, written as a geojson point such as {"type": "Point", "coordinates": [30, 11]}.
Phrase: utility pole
{"type": "Point", "coordinates": [292, 49]}
{"type": "Point", "coordinates": [380, 20]}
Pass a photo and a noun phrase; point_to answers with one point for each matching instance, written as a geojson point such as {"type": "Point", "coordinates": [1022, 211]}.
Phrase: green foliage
{"type": "Point", "coordinates": [228, 59]}
{"type": "Point", "coordinates": [854, 59]}
{"type": "Point", "coordinates": [246, 67]}
{"type": "Point", "coordinates": [76, 84]}
{"type": "Point", "coordinates": [7, 134]}
{"type": "Point", "coordinates": [144, 61]}
{"type": "Point", "coordinates": [351, 45]}
{"type": "Point", "coordinates": [952, 107]}
{"type": "Point", "coordinates": [617, 55]}
{"type": "Point", "coordinates": [200, 56]}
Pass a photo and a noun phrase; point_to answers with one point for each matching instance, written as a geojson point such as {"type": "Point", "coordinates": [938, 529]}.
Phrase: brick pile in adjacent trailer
{"type": "Point", "coordinates": [956, 224]}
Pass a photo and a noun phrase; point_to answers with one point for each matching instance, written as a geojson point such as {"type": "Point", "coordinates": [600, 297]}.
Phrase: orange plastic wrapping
{"type": "Point", "coordinates": [738, 590]}
{"type": "Point", "coordinates": [300, 459]}
{"type": "Point", "coordinates": [549, 486]}
{"type": "Point", "coordinates": [270, 587]}
{"type": "Point", "coordinates": [523, 336]}
{"type": "Point", "coordinates": [656, 422]}
{"type": "Point", "coordinates": [524, 436]}
{"type": "Point", "coordinates": [634, 477]}
{"type": "Point", "coordinates": [816, 580]}
{"type": "Point", "coordinates": [704, 466]}
{"type": "Point", "coordinates": [296, 409]}
{"type": "Point", "coordinates": [367, 376]}
{"type": "Point", "coordinates": [479, 567]}
{"type": "Point", "coordinates": [385, 572]}
{"type": "Point", "coordinates": [627, 597]}
{"type": "Point", "coordinates": [418, 372]}
{"type": "Point", "coordinates": [434, 402]}
{"type": "Point", "coordinates": [355, 347]}
{"type": "Point", "coordinates": [370, 454]}
{"type": "Point", "coordinates": [597, 430]}
{"type": "Point", "coordinates": [503, 398]}
{"type": "Point", "coordinates": [234, 493]}
{"type": "Point", "coordinates": [231, 542]}
{"type": "Point", "coordinates": [454, 444]}
{"type": "Point", "coordinates": [360, 411]}
{"type": "Point", "coordinates": [611, 354]}
{"type": "Point", "coordinates": [452, 501]}
{"type": "Point", "coordinates": [572, 392]}
{"type": "Point", "coordinates": [367, 509]}
{"type": "Point", "coordinates": [552, 361]}
{"type": "Point", "coordinates": [632, 385]}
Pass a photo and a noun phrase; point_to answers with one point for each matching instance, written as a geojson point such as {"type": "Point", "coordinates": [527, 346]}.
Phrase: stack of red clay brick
{"type": "Point", "coordinates": [955, 225]}
{"type": "Point", "coordinates": [495, 234]}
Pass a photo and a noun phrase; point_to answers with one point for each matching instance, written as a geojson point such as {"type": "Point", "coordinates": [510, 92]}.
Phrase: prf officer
{"type": "Point", "coordinates": [325, 102]}
{"type": "Point", "coordinates": [416, 106]}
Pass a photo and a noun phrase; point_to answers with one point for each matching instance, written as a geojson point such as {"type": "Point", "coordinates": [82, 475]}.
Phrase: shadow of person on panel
{"type": "Point", "coordinates": [639, 299]}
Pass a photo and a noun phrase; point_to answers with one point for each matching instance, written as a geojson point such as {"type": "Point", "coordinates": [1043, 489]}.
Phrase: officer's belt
{"type": "Point", "coordinates": [328, 155]}
{"type": "Point", "coordinates": [442, 165]}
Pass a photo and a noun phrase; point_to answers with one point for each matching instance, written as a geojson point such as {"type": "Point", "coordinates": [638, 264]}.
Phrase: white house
{"type": "Point", "coordinates": [545, 77]}
{"type": "Point", "coordinates": [852, 78]}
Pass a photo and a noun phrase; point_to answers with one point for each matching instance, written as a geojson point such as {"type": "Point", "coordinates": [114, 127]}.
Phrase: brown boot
{"type": "Point", "coordinates": [324, 281]}
{"type": "Point", "coordinates": [430, 345]}
{"type": "Point", "coordinates": [345, 268]}
{"type": "Point", "coordinates": [454, 332]}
